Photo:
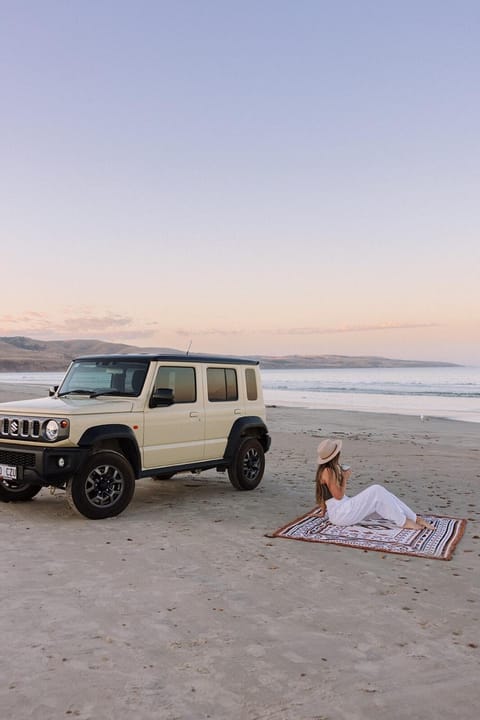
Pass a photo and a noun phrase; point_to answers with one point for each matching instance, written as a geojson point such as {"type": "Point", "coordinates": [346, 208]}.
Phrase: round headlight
{"type": "Point", "coordinates": [51, 430]}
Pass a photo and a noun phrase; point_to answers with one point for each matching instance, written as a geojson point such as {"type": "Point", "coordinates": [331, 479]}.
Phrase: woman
{"type": "Point", "coordinates": [331, 483]}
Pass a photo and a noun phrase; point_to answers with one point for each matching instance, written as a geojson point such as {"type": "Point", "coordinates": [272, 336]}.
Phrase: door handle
{"type": "Point", "coordinates": [194, 414]}
{"type": "Point", "coordinates": [237, 411]}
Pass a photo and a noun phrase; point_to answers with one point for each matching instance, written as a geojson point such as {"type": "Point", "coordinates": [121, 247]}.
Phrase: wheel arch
{"type": "Point", "coordinates": [250, 426]}
{"type": "Point", "coordinates": [114, 437]}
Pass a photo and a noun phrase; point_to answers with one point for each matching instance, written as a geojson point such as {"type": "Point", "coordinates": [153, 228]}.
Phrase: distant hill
{"type": "Point", "coordinates": [23, 354]}
{"type": "Point", "coordinates": [343, 361]}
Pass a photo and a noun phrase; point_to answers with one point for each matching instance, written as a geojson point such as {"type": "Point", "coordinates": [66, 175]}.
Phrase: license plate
{"type": "Point", "coordinates": [7, 472]}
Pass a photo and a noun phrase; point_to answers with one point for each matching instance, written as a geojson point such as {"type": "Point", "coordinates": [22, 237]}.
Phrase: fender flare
{"type": "Point", "coordinates": [250, 426]}
{"type": "Point", "coordinates": [114, 432]}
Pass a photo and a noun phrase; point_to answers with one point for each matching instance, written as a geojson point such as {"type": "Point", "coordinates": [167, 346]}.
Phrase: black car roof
{"type": "Point", "coordinates": [148, 357]}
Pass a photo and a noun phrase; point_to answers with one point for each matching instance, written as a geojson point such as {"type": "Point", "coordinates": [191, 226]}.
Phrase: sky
{"type": "Point", "coordinates": [266, 177]}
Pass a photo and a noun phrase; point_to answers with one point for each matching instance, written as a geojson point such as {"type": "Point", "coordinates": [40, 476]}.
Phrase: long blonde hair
{"type": "Point", "coordinates": [320, 487]}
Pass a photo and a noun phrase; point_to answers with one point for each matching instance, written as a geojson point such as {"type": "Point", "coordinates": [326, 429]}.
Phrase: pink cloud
{"type": "Point", "coordinates": [308, 330]}
{"type": "Point", "coordinates": [108, 326]}
{"type": "Point", "coordinates": [353, 328]}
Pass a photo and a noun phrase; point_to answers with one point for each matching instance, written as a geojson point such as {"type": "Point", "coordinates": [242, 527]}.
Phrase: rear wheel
{"type": "Point", "coordinates": [247, 467]}
{"type": "Point", "coordinates": [103, 487]}
{"type": "Point", "coordinates": [11, 491]}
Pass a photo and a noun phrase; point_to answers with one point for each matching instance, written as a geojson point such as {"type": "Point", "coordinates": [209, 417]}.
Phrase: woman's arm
{"type": "Point", "coordinates": [328, 477]}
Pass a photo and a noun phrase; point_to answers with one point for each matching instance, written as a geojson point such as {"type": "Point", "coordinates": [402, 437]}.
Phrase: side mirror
{"type": "Point", "coordinates": [162, 397]}
{"type": "Point", "coordinates": [52, 390]}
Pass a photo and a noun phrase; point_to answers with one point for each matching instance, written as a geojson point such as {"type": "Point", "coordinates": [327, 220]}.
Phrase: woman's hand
{"type": "Point", "coordinates": [345, 478]}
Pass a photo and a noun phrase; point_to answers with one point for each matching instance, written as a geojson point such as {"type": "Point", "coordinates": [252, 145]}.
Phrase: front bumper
{"type": "Point", "coordinates": [40, 465]}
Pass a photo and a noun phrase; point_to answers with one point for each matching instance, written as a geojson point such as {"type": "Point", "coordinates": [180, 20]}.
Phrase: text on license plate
{"type": "Point", "coordinates": [7, 472]}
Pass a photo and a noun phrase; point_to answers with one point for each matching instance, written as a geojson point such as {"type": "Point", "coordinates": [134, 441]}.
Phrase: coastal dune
{"type": "Point", "coordinates": [181, 608]}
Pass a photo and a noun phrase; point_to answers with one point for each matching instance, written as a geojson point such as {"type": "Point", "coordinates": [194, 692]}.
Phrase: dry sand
{"type": "Point", "coordinates": [182, 609]}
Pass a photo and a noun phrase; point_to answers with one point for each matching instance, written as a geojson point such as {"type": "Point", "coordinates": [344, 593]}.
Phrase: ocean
{"type": "Point", "coordinates": [448, 392]}
{"type": "Point", "coordinates": [31, 378]}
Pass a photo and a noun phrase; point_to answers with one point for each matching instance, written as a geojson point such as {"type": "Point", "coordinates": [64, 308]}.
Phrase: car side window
{"type": "Point", "coordinates": [251, 383]}
{"type": "Point", "coordinates": [222, 384]}
{"type": "Point", "coordinates": [181, 380]}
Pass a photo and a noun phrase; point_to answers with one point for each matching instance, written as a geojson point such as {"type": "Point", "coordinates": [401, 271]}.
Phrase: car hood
{"type": "Point", "coordinates": [66, 406]}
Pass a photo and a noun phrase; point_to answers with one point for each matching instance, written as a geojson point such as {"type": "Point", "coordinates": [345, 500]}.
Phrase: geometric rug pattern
{"type": "Point", "coordinates": [379, 535]}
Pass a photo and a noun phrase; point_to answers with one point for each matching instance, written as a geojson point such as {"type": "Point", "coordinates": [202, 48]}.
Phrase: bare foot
{"type": "Point", "coordinates": [411, 525]}
{"type": "Point", "coordinates": [425, 524]}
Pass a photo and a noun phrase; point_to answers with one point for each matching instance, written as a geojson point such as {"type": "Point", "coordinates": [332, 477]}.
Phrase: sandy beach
{"type": "Point", "coordinates": [182, 609]}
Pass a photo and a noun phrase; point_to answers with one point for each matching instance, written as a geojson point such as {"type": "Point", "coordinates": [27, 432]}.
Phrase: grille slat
{"type": "Point", "coordinates": [20, 428]}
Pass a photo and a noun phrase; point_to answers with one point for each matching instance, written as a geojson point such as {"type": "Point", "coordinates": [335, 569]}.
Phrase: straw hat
{"type": "Point", "coordinates": [327, 450]}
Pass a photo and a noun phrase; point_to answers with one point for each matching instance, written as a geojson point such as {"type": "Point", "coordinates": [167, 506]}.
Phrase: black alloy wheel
{"type": "Point", "coordinates": [248, 465]}
{"type": "Point", "coordinates": [11, 491]}
{"type": "Point", "coordinates": [103, 487]}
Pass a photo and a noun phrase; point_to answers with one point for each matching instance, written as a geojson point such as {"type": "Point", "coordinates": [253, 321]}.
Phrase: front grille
{"type": "Point", "coordinates": [17, 459]}
{"type": "Point", "coordinates": [20, 428]}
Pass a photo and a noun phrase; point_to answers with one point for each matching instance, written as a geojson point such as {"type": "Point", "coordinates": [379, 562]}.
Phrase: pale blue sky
{"type": "Point", "coordinates": [257, 177]}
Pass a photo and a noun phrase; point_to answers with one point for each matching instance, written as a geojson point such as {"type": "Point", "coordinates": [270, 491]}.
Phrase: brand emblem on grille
{"type": "Point", "coordinates": [14, 427]}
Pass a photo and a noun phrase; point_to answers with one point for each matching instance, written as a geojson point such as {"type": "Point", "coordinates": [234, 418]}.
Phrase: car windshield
{"type": "Point", "coordinates": [105, 377]}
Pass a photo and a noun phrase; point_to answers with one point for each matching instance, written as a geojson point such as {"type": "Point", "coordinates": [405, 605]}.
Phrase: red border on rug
{"type": "Point", "coordinates": [448, 551]}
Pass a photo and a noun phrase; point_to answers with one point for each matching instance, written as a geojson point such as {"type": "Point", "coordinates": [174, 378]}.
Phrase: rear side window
{"type": "Point", "coordinates": [179, 379]}
{"type": "Point", "coordinates": [251, 382]}
{"type": "Point", "coordinates": [222, 384]}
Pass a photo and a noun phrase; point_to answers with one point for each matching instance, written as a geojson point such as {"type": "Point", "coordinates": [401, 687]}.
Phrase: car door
{"type": "Point", "coordinates": [223, 407]}
{"type": "Point", "coordinates": [175, 435]}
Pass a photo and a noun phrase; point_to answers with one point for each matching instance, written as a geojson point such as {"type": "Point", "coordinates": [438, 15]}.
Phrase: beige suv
{"type": "Point", "coordinates": [116, 418]}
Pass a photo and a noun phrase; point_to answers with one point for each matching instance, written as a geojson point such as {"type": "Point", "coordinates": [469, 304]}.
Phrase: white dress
{"type": "Point", "coordinates": [373, 501]}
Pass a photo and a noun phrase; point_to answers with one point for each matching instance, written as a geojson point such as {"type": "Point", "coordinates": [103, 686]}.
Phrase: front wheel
{"type": "Point", "coordinates": [247, 467]}
{"type": "Point", "coordinates": [11, 491]}
{"type": "Point", "coordinates": [103, 487]}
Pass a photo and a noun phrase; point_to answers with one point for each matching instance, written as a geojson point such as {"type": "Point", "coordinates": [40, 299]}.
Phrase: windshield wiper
{"type": "Point", "coordinates": [75, 392]}
{"type": "Point", "coordinates": [106, 392]}
{"type": "Point", "coordinates": [91, 393]}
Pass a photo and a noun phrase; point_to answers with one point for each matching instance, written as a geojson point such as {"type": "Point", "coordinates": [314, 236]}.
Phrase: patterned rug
{"type": "Point", "coordinates": [379, 535]}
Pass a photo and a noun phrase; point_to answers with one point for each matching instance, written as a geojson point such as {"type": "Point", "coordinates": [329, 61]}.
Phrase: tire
{"type": "Point", "coordinates": [103, 487]}
{"type": "Point", "coordinates": [247, 467]}
{"type": "Point", "coordinates": [17, 492]}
